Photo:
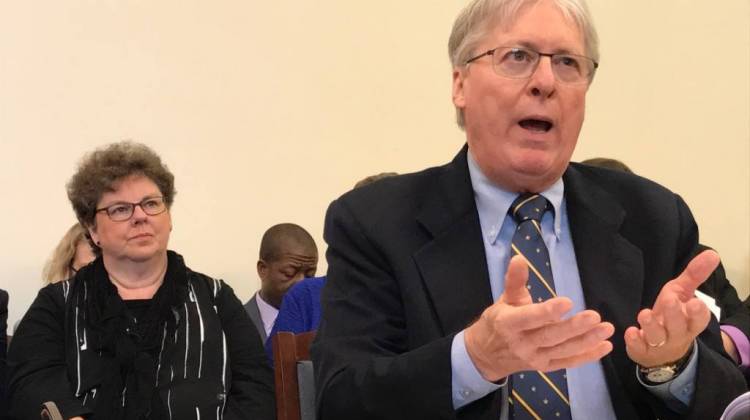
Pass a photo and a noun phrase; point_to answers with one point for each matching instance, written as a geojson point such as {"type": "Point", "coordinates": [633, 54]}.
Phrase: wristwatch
{"type": "Point", "coordinates": [660, 374]}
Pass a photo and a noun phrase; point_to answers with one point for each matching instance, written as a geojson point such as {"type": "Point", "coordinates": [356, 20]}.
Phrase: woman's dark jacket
{"type": "Point", "coordinates": [190, 352]}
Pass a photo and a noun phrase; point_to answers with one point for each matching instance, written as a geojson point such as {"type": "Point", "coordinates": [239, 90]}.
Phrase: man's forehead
{"type": "Point", "coordinates": [292, 246]}
{"type": "Point", "coordinates": [555, 30]}
{"type": "Point", "coordinates": [304, 258]}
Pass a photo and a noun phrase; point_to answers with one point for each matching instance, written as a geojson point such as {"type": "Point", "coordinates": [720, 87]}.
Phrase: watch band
{"type": "Point", "coordinates": [664, 373]}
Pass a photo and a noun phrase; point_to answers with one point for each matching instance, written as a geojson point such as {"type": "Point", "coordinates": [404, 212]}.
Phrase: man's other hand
{"type": "Point", "coordinates": [667, 330]}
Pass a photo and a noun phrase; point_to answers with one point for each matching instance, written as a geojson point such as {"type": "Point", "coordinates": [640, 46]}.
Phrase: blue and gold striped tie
{"type": "Point", "coordinates": [536, 395]}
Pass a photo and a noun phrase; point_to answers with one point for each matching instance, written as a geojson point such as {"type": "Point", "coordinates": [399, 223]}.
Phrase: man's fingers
{"type": "Point", "coordinates": [654, 343]}
{"type": "Point", "coordinates": [696, 272]}
{"type": "Point", "coordinates": [675, 319]}
{"type": "Point", "coordinates": [559, 332]}
{"type": "Point", "coordinates": [651, 331]}
{"type": "Point", "coordinates": [634, 342]}
{"type": "Point", "coordinates": [516, 293]}
{"type": "Point", "coordinates": [537, 315]}
{"type": "Point", "coordinates": [601, 350]}
{"type": "Point", "coordinates": [580, 343]}
{"type": "Point", "coordinates": [698, 316]}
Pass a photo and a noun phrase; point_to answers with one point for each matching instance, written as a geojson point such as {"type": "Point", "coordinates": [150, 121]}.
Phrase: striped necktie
{"type": "Point", "coordinates": [536, 395]}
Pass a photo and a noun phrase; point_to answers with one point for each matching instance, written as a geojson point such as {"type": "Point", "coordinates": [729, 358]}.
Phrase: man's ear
{"type": "Point", "coordinates": [459, 99]}
{"type": "Point", "coordinates": [262, 268]}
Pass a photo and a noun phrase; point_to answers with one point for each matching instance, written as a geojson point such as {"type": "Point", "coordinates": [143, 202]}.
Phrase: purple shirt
{"type": "Point", "coordinates": [742, 344]}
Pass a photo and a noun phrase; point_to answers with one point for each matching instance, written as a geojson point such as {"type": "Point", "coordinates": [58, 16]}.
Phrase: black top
{"type": "Point", "coordinates": [137, 310]}
{"type": "Point", "coordinates": [137, 307]}
{"type": "Point", "coordinates": [43, 368]}
{"type": "Point", "coordinates": [3, 345]}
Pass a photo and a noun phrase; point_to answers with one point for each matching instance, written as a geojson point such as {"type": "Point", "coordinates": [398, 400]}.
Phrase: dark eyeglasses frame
{"type": "Point", "coordinates": [132, 208]}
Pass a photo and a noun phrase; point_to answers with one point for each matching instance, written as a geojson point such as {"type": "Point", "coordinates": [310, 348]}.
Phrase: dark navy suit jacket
{"type": "Point", "coordinates": [407, 271]}
{"type": "Point", "coordinates": [3, 349]}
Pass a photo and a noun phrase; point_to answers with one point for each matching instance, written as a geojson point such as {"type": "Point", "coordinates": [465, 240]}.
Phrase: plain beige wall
{"type": "Point", "coordinates": [266, 111]}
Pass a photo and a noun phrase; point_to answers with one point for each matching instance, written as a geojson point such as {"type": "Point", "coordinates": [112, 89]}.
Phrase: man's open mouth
{"type": "Point", "coordinates": [539, 126]}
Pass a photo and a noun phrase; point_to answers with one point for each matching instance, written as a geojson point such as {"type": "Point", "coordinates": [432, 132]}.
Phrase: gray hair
{"type": "Point", "coordinates": [474, 21]}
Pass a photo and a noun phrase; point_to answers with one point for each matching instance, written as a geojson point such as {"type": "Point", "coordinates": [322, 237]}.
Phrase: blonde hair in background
{"type": "Point", "coordinates": [58, 267]}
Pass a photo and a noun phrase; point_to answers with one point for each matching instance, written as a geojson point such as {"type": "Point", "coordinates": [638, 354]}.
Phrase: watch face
{"type": "Point", "coordinates": [660, 375]}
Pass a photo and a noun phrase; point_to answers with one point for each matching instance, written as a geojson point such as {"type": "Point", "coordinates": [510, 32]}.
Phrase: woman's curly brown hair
{"type": "Point", "coordinates": [99, 172]}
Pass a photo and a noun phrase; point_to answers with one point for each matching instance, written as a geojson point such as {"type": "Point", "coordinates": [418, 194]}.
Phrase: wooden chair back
{"type": "Point", "coordinates": [295, 393]}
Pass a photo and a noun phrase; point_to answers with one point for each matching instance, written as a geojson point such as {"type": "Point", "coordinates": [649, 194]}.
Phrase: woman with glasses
{"type": "Point", "coordinates": [136, 334]}
{"type": "Point", "coordinates": [72, 253]}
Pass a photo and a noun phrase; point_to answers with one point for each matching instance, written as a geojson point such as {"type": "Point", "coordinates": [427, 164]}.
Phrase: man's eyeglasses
{"type": "Point", "coordinates": [520, 63]}
{"type": "Point", "coordinates": [120, 212]}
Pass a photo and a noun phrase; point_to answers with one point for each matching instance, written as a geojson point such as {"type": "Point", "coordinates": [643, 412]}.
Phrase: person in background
{"type": "Point", "coordinates": [136, 334]}
{"type": "Point", "coordinates": [3, 349]}
{"type": "Point", "coordinates": [511, 282]}
{"type": "Point", "coordinates": [300, 311]}
{"type": "Point", "coordinates": [287, 255]}
{"type": "Point", "coordinates": [73, 252]}
{"type": "Point", "coordinates": [734, 314]}
{"type": "Point", "coordinates": [300, 307]}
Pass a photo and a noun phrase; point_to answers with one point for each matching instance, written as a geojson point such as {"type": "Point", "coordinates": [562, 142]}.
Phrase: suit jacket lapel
{"type": "Point", "coordinates": [611, 268]}
{"type": "Point", "coordinates": [611, 271]}
{"type": "Point", "coordinates": [453, 264]}
{"type": "Point", "coordinates": [254, 312]}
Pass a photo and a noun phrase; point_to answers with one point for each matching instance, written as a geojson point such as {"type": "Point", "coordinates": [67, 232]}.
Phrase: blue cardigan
{"type": "Point", "coordinates": [300, 310]}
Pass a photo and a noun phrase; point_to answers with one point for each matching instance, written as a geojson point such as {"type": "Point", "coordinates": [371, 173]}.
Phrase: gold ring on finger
{"type": "Point", "coordinates": [657, 344]}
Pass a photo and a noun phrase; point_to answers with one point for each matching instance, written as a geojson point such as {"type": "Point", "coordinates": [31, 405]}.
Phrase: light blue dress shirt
{"type": "Point", "coordinates": [587, 387]}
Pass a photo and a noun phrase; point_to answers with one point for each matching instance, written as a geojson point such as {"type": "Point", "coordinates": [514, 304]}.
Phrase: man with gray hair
{"type": "Point", "coordinates": [511, 283]}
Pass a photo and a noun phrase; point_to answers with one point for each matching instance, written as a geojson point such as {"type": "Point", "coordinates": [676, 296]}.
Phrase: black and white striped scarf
{"type": "Point", "coordinates": [171, 363]}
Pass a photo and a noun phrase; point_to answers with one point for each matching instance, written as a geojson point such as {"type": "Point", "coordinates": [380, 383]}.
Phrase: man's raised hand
{"type": "Point", "coordinates": [515, 334]}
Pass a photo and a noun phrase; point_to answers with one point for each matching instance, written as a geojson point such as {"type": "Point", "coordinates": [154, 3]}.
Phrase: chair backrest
{"type": "Point", "coordinates": [293, 370]}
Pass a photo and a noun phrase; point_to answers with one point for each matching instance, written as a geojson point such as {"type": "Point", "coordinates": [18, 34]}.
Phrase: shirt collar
{"type": "Point", "coordinates": [493, 200]}
{"type": "Point", "coordinates": [267, 313]}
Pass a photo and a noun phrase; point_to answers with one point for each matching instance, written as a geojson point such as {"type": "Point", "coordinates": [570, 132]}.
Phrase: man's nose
{"type": "Point", "coordinates": [542, 81]}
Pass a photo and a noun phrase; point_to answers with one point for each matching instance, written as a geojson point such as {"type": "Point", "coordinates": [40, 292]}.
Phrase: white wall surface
{"type": "Point", "coordinates": [266, 111]}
